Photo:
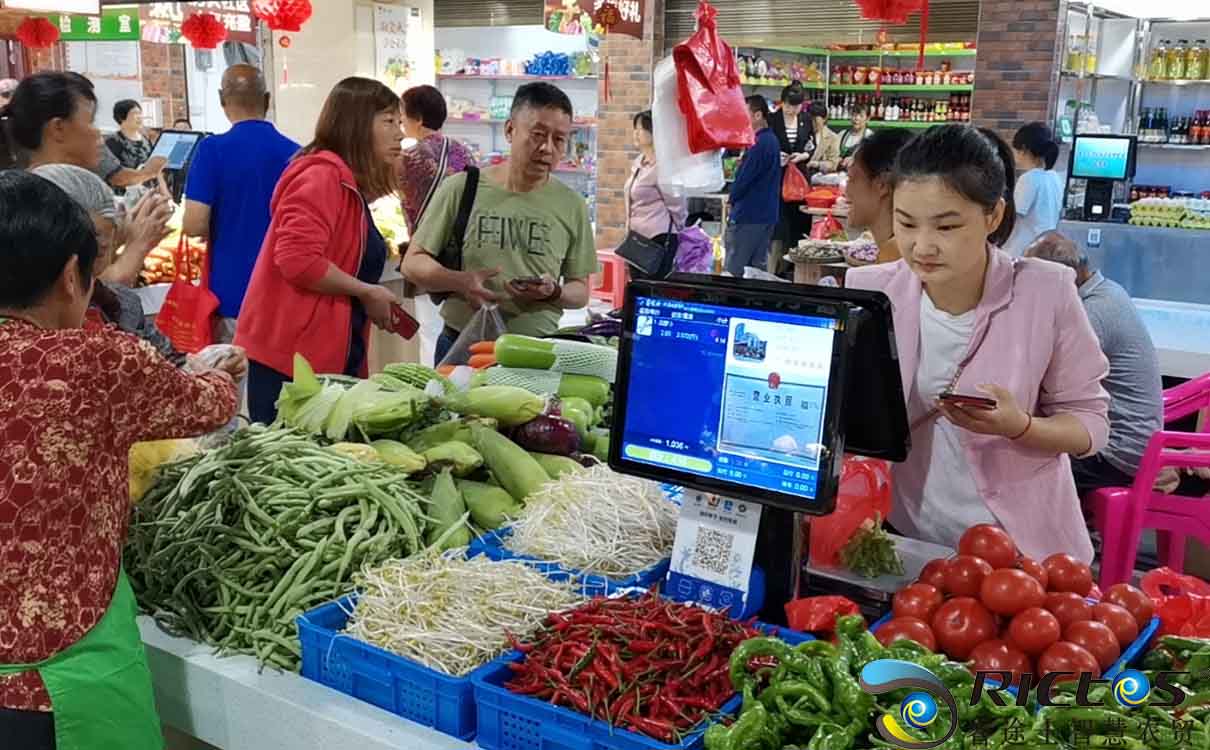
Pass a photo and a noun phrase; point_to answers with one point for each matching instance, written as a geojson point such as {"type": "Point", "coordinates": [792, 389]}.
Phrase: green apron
{"type": "Point", "coordinates": [100, 686]}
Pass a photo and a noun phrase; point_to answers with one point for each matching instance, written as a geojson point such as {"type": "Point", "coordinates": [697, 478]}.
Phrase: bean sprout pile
{"type": "Point", "coordinates": [598, 522]}
{"type": "Point", "coordinates": [450, 613]}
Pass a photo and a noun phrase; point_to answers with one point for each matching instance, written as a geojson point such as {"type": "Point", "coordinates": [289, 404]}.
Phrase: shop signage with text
{"type": "Point", "coordinates": [113, 25]}
{"type": "Point", "coordinates": [236, 15]}
{"type": "Point", "coordinates": [573, 16]}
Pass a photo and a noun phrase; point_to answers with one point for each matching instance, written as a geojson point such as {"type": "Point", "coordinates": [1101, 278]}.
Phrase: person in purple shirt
{"type": "Point", "coordinates": [229, 187]}
{"type": "Point", "coordinates": [755, 196]}
{"type": "Point", "coordinates": [420, 167]}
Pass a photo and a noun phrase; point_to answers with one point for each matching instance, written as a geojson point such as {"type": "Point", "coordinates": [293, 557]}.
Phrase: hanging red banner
{"type": "Point", "coordinates": [576, 16]}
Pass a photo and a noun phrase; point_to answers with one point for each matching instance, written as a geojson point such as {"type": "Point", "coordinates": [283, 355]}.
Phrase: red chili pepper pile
{"type": "Point", "coordinates": [644, 663]}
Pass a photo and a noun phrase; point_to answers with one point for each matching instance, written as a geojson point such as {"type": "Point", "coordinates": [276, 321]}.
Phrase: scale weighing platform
{"type": "Point", "coordinates": [748, 394]}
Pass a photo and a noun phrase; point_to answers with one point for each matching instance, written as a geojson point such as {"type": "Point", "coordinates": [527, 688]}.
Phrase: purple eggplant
{"type": "Point", "coordinates": [547, 434]}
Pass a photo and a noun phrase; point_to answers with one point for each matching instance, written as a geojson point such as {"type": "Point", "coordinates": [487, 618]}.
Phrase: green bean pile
{"type": "Point", "coordinates": [230, 546]}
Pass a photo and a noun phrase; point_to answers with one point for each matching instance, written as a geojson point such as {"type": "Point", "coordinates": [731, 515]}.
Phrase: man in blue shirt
{"type": "Point", "coordinates": [755, 196]}
{"type": "Point", "coordinates": [229, 187]}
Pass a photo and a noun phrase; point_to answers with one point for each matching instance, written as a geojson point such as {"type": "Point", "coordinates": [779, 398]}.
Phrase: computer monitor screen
{"type": "Point", "coordinates": [177, 147]}
{"type": "Point", "coordinates": [732, 396]}
{"type": "Point", "coordinates": [1102, 157]}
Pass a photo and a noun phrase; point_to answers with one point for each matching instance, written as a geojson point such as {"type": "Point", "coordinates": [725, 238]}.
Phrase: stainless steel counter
{"type": "Point", "coordinates": [1167, 272]}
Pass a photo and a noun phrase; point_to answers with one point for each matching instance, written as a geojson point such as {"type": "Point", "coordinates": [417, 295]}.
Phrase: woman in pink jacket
{"type": "Point", "coordinates": [972, 321]}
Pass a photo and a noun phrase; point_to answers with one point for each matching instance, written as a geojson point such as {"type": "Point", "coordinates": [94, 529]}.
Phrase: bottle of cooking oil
{"type": "Point", "coordinates": [1175, 61]}
{"type": "Point", "coordinates": [1157, 68]}
{"type": "Point", "coordinates": [1195, 61]}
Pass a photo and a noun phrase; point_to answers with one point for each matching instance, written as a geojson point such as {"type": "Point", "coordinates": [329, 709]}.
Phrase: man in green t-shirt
{"type": "Point", "coordinates": [529, 244]}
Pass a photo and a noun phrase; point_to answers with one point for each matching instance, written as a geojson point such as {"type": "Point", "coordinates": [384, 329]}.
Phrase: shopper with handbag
{"type": "Point", "coordinates": [755, 196]}
{"type": "Point", "coordinates": [825, 157]}
{"type": "Point", "coordinates": [869, 190]}
{"type": "Point", "coordinates": [795, 137]}
{"type": "Point", "coordinates": [513, 234]}
{"type": "Point", "coordinates": [315, 287]}
{"type": "Point", "coordinates": [433, 157]}
{"type": "Point", "coordinates": [1001, 369]}
{"type": "Point", "coordinates": [653, 219]}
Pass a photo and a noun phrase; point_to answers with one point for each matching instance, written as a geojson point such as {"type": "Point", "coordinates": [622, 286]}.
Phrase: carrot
{"type": "Point", "coordinates": [480, 361]}
{"type": "Point", "coordinates": [446, 370]}
{"type": "Point", "coordinates": [483, 347]}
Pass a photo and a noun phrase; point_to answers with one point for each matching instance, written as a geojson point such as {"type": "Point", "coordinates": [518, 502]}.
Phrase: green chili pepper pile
{"type": "Point", "coordinates": [230, 546]}
{"type": "Point", "coordinates": [807, 697]}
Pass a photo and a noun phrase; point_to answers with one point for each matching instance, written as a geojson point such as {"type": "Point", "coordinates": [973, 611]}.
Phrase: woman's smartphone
{"type": "Point", "coordinates": [402, 323]}
{"type": "Point", "coordinates": [974, 402]}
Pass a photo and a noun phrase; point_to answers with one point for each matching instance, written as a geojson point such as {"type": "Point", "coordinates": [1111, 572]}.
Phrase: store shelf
{"type": "Point", "coordinates": [903, 53]}
{"type": "Point", "coordinates": [589, 125]}
{"type": "Point", "coordinates": [908, 88]}
{"type": "Point", "coordinates": [791, 50]}
{"type": "Point", "coordinates": [459, 77]}
{"type": "Point", "coordinates": [764, 84]}
{"type": "Point", "coordinates": [905, 124]}
{"type": "Point", "coordinates": [1076, 76]}
{"type": "Point", "coordinates": [1168, 82]}
{"type": "Point", "coordinates": [1176, 146]}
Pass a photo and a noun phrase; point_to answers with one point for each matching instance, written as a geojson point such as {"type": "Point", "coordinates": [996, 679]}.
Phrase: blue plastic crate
{"type": "Point", "coordinates": [493, 544]}
{"type": "Point", "coordinates": [1130, 656]}
{"type": "Point", "coordinates": [393, 683]}
{"type": "Point", "coordinates": [508, 721]}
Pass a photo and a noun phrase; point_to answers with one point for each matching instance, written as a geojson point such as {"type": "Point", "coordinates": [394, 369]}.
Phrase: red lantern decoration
{"type": "Point", "coordinates": [896, 12]}
{"type": "Point", "coordinates": [282, 15]}
{"type": "Point", "coordinates": [204, 30]}
{"type": "Point", "coordinates": [607, 16]}
{"type": "Point", "coordinates": [37, 33]}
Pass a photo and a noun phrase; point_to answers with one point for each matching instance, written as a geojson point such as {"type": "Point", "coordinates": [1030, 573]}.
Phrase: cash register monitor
{"type": "Point", "coordinates": [736, 392]}
{"type": "Point", "coordinates": [1102, 160]}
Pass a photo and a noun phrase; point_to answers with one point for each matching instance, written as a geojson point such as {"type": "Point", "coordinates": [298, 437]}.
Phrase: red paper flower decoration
{"type": "Point", "coordinates": [37, 33]}
{"type": "Point", "coordinates": [888, 11]}
{"type": "Point", "coordinates": [282, 15]}
{"type": "Point", "coordinates": [204, 30]}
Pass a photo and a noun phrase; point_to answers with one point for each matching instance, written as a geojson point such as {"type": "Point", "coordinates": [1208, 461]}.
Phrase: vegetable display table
{"type": "Point", "coordinates": [226, 703]}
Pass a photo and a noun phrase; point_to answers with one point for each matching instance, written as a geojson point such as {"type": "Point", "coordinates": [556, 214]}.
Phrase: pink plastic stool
{"type": "Point", "coordinates": [1121, 513]}
{"type": "Point", "coordinates": [610, 283]}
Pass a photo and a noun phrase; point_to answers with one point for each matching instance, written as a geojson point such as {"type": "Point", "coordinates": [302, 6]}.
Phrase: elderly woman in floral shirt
{"type": "Point", "coordinates": [73, 400]}
{"type": "Point", "coordinates": [433, 158]}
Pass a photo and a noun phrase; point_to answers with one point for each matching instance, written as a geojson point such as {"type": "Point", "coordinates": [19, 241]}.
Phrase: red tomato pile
{"type": "Point", "coordinates": [1004, 612]}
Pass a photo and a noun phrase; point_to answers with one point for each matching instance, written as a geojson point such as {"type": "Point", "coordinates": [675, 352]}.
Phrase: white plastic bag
{"type": "Point", "coordinates": [681, 174]}
{"type": "Point", "coordinates": [487, 324]}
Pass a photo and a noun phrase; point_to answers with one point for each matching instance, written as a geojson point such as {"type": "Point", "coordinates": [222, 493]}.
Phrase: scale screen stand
{"type": "Point", "coordinates": [736, 554]}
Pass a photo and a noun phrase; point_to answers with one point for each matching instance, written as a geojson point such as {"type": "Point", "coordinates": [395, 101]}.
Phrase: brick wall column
{"type": "Point", "coordinates": [631, 62]}
{"type": "Point", "coordinates": [163, 73]}
{"type": "Point", "coordinates": [1020, 47]}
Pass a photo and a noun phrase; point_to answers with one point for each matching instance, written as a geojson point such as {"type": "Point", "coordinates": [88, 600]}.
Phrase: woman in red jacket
{"type": "Point", "coordinates": [315, 287]}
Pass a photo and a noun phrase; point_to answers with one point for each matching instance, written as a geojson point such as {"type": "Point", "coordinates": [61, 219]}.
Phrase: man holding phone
{"type": "Point", "coordinates": [528, 244]}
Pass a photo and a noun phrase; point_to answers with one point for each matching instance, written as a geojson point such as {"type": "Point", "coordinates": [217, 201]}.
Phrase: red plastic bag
{"type": "Point", "coordinates": [186, 317]}
{"type": "Point", "coordinates": [1181, 601]}
{"type": "Point", "coordinates": [865, 492]}
{"type": "Point", "coordinates": [827, 228]}
{"type": "Point", "coordinates": [794, 187]}
{"type": "Point", "coordinates": [708, 89]}
{"type": "Point", "coordinates": [817, 614]}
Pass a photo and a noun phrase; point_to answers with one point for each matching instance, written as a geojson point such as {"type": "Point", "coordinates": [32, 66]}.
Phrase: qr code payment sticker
{"type": "Point", "coordinates": [712, 550]}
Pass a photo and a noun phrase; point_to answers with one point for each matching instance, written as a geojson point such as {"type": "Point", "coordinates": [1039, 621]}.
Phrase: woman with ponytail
{"type": "Point", "coordinates": [1039, 192]}
{"type": "Point", "coordinates": [972, 321]}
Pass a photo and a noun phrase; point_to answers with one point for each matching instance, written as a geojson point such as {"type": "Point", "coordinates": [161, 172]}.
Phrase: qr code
{"type": "Point", "coordinates": [712, 550]}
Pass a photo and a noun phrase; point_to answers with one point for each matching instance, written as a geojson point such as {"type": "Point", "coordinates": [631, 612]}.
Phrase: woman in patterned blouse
{"type": "Point", "coordinates": [420, 172]}
{"type": "Point", "coordinates": [73, 400]}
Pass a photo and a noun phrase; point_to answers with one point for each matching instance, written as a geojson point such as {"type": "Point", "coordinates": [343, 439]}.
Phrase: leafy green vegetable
{"type": "Point", "coordinates": [870, 552]}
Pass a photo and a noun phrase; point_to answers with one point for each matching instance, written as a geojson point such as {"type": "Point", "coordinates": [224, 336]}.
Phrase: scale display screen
{"type": "Point", "coordinates": [1102, 157]}
{"type": "Point", "coordinates": [740, 399]}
